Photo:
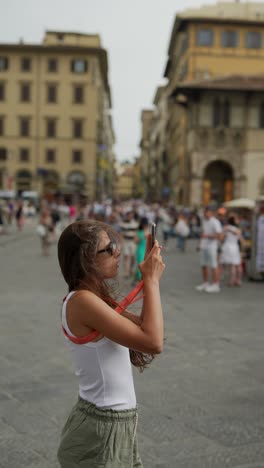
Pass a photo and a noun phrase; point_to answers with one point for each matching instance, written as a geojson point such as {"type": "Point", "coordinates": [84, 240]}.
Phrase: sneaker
{"type": "Point", "coordinates": [202, 287]}
{"type": "Point", "coordinates": [213, 288]}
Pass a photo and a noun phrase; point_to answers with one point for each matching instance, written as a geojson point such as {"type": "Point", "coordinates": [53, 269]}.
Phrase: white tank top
{"type": "Point", "coordinates": [104, 371]}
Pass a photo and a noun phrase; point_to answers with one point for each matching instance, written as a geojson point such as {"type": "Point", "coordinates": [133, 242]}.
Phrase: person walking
{"type": "Point", "coordinates": [182, 231]}
{"type": "Point", "coordinates": [129, 227]}
{"type": "Point", "coordinates": [20, 215]}
{"type": "Point", "coordinates": [45, 230]}
{"type": "Point", "coordinates": [101, 428]}
{"type": "Point", "coordinates": [210, 237]}
{"type": "Point", "coordinates": [165, 223]}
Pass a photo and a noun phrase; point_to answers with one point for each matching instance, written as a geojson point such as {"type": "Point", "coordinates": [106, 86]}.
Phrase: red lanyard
{"type": "Point", "coordinates": [119, 307]}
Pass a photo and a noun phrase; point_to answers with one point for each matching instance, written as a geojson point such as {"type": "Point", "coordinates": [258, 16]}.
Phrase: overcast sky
{"type": "Point", "coordinates": [135, 33]}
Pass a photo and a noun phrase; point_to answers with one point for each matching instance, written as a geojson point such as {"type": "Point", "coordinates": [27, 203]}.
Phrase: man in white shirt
{"type": "Point", "coordinates": [211, 234]}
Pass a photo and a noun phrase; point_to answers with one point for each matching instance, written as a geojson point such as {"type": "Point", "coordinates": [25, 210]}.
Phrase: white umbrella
{"type": "Point", "coordinates": [240, 203]}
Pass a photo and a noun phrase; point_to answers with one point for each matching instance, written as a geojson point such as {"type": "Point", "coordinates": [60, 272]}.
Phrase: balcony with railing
{"type": "Point", "coordinates": [217, 139]}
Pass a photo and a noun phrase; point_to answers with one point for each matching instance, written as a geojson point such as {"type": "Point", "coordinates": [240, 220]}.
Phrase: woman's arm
{"type": "Point", "coordinates": [93, 312]}
{"type": "Point", "coordinates": [152, 315]}
{"type": "Point", "coordinates": [133, 317]}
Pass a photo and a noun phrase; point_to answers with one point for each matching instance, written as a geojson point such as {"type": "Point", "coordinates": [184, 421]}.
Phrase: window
{"type": "Point", "coordinates": [78, 94]}
{"type": "Point", "coordinates": [25, 64]}
{"type": "Point", "coordinates": [229, 39]}
{"type": "Point", "coordinates": [51, 93]}
{"type": "Point", "coordinates": [50, 156]}
{"type": "Point", "coordinates": [3, 154]}
{"type": "Point", "coordinates": [253, 40]}
{"type": "Point", "coordinates": [24, 126]}
{"type": "Point", "coordinates": [221, 113]}
{"type": "Point", "coordinates": [2, 91]}
{"type": "Point", "coordinates": [205, 37]}
{"type": "Point", "coordinates": [25, 92]}
{"type": "Point", "coordinates": [226, 113]}
{"type": "Point", "coordinates": [77, 130]}
{"type": "Point", "coordinates": [3, 63]}
{"type": "Point", "coordinates": [216, 113]}
{"type": "Point", "coordinates": [183, 71]}
{"type": "Point", "coordinates": [52, 65]}
{"type": "Point", "coordinates": [77, 156]}
{"type": "Point", "coordinates": [24, 155]}
{"type": "Point", "coordinates": [2, 126]}
{"type": "Point", "coordinates": [79, 66]}
{"type": "Point", "coordinates": [51, 128]}
{"type": "Point", "coordinates": [261, 115]}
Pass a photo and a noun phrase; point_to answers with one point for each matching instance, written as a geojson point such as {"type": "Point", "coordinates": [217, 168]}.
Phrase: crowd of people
{"type": "Point", "coordinates": [15, 212]}
{"type": "Point", "coordinates": [221, 235]}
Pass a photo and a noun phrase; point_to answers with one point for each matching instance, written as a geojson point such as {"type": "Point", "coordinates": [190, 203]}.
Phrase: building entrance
{"type": "Point", "coordinates": [218, 183]}
{"type": "Point", "coordinates": [23, 180]}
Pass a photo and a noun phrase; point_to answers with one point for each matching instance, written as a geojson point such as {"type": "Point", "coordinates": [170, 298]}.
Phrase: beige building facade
{"type": "Point", "coordinates": [215, 87]}
{"type": "Point", "coordinates": [125, 180]}
{"type": "Point", "coordinates": [147, 116]}
{"type": "Point", "coordinates": [159, 176]}
{"type": "Point", "coordinates": [55, 131]}
{"type": "Point", "coordinates": [224, 156]}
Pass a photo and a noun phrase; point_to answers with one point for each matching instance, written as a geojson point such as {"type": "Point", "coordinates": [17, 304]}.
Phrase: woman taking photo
{"type": "Point", "coordinates": [101, 429]}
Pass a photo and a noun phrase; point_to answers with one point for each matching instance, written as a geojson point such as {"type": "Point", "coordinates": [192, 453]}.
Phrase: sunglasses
{"type": "Point", "coordinates": [111, 249]}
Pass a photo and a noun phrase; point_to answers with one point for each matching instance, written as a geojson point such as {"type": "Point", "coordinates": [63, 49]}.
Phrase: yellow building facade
{"type": "Point", "coordinates": [147, 116]}
{"type": "Point", "coordinates": [55, 131]}
{"type": "Point", "coordinates": [125, 179]}
{"type": "Point", "coordinates": [222, 41]}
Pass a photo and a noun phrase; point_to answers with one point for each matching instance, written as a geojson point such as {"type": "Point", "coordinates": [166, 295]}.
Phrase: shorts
{"type": "Point", "coordinates": [129, 248]}
{"type": "Point", "coordinates": [208, 258]}
{"type": "Point", "coordinates": [99, 438]}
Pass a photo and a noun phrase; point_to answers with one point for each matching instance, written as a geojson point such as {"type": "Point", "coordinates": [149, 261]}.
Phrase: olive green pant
{"type": "Point", "coordinates": [99, 438]}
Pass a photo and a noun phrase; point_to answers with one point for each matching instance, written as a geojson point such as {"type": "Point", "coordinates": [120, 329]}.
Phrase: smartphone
{"type": "Point", "coordinates": [153, 233]}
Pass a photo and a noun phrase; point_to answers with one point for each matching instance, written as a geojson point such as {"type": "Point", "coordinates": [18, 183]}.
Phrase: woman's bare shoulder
{"type": "Point", "coordinates": [82, 294]}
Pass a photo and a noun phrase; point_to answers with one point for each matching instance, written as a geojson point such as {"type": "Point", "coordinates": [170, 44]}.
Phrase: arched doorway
{"type": "Point", "coordinates": [181, 196]}
{"type": "Point", "coordinates": [23, 180]}
{"type": "Point", "coordinates": [218, 183]}
{"type": "Point", "coordinates": [50, 181]}
{"type": "Point", "coordinates": [2, 177]}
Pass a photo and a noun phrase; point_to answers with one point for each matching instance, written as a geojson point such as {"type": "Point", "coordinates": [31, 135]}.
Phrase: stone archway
{"type": "Point", "coordinates": [51, 181]}
{"type": "Point", "coordinates": [23, 180]}
{"type": "Point", "coordinates": [181, 196]}
{"type": "Point", "coordinates": [218, 182]}
{"type": "Point", "coordinates": [2, 177]}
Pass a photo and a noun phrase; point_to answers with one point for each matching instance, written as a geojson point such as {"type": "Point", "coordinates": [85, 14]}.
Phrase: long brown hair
{"type": "Point", "coordinates": [77, 249]}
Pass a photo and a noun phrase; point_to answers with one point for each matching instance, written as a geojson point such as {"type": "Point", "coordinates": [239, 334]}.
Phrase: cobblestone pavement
{"type": "Point", "coordinates": [201, 402]}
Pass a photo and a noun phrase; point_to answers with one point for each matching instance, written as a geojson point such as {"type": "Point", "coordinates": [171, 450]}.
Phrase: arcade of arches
{"type": "Point", "coordinates": [23, 180]}
{"type": "Point", "coordinates": [218, 183]}
{"type": "Point", "coordinates": [75, 182]}
{"type": "Point", "coordinates": [50, 181]}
